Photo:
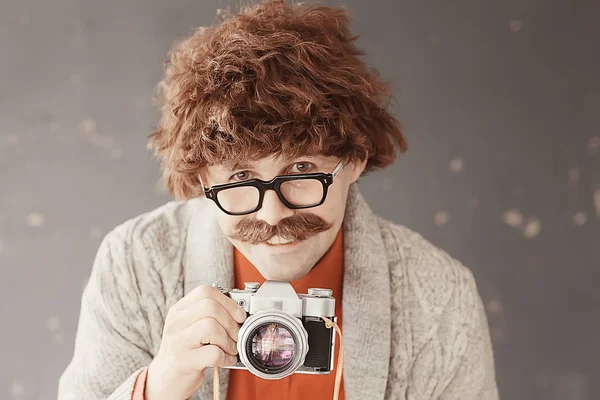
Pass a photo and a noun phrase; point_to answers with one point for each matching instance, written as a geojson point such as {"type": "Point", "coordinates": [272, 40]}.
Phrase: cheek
{"type": "Point", "coordinates": [336, 197]}
{"type": "Point", "coordinates": [334, 207]}
{"type": "Point", "coordinates": [228, 223]}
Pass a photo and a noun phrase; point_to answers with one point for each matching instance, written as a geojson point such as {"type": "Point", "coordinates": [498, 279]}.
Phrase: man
{"type": "Point", "coordinates": [268, 121]}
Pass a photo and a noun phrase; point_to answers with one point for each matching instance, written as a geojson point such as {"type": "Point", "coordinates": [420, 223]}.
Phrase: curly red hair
{"type": "Point", "coordinates": [275, 79]}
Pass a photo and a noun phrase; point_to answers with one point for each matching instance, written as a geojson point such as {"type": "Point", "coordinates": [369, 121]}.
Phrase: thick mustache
{"type": "Point", "coordinates": [296, 227]}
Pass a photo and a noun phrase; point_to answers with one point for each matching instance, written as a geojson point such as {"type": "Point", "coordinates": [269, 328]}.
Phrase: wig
{"type": "Point", "coordinates": [275, 79]}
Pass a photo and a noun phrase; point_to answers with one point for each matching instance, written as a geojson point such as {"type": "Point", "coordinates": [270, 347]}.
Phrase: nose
{"type": "Point", "coordinates": [273, 210]}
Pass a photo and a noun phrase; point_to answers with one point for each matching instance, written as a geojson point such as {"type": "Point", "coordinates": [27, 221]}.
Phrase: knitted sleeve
{"type": "Point", "coordinates": [110, 346]}
{"type": "Point", "coordinates": [440, 332]}
{"type": "Point", "coordinates": [474, 376]}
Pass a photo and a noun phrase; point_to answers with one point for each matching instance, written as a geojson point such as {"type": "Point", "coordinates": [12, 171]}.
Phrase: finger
{"type": "Point", "coordinates": [208, 331]}
{"type": "Point", "coordinates": [207, 292]}
{"type": "Point", "coordinates": [203, 357]}
{"type": "Point", "coordinates": [205, 308]}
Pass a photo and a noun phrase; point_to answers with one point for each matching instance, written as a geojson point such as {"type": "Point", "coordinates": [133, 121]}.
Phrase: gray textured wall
{"type": "Point", "coordinates": [500, 100]}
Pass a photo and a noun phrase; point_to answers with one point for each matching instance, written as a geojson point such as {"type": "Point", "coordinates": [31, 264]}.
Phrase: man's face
{"type": "Point", "coordinates": [310, 232]}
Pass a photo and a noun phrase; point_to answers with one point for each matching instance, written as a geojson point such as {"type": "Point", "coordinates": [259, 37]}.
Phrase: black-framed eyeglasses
{"type": "Point", "coordinates": [295, 191]}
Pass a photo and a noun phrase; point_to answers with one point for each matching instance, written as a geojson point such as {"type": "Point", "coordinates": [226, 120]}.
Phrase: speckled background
{"type": "Point", "coordinates": [501, 103]}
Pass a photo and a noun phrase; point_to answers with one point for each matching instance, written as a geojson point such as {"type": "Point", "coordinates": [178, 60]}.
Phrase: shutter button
{"type": "Point", "coordinates": [318, 292]}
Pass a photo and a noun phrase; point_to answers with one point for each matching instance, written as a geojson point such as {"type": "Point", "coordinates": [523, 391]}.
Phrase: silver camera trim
{"type": "Point", "coordinates": [274, 316]}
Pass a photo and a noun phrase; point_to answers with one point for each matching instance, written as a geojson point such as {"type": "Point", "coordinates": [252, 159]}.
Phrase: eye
{"type": "Point", "coordinates": [302, 167]}
{"type": "Point", "coordinates": [241, 176]}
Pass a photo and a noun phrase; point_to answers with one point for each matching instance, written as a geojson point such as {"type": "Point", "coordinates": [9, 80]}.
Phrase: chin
{"type": "Point", "coordinates": [279, 277]}
{"type": "Point", "coordinates": [282, 272]}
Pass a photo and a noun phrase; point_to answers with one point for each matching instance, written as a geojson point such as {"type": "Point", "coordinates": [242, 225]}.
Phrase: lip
{"type": "Point", "coordinates": [281, 247]}
{"type": "Point", "coordinates": [290, 244]}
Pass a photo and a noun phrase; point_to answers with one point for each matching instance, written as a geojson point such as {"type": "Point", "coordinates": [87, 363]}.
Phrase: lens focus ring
{"type": "Point", "coordinates": [272, 344]}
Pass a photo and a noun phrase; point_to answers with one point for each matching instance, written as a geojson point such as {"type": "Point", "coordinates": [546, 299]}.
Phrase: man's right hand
{"type": "Point", "coordinates": [201, 330]}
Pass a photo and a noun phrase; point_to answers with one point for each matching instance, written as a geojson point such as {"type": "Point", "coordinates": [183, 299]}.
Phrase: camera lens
{"type": "Point", "coordinates": [271, 347]}
{"type": "Point", "coordinates": [272, 343]}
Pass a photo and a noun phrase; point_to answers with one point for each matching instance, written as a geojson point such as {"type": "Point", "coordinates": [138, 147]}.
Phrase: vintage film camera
{"type": "Point", "coordinates": [283, 333]}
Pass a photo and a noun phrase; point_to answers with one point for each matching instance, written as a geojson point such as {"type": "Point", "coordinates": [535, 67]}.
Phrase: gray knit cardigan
{"type": "Point", "coordinates": [414, 324]}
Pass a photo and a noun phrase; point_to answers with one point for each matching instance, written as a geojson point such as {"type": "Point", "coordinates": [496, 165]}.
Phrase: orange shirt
{"type": "Point", "coordinates": [328, 273]}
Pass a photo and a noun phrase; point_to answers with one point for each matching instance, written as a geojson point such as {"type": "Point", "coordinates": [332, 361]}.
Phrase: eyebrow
{"type": "Point", "coordinates": [240, 165]}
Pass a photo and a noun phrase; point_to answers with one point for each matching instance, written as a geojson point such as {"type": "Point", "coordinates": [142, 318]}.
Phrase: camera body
{"type": "Point", "coordinates": [284, 333]}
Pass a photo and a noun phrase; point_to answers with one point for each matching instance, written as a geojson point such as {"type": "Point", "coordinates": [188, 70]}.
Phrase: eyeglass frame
{"type": "Point", "coordinates": [326, 179]}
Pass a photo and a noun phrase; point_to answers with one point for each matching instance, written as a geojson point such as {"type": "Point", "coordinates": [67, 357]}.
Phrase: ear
{"type": "Point", "coordinates": [203, 176]}
{"type": "Point", "coordinates": [357, 168]}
